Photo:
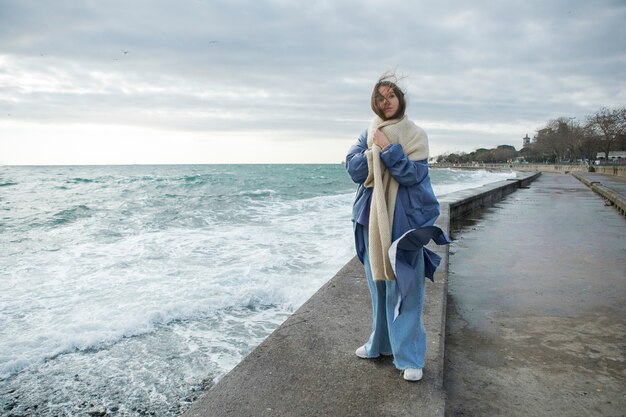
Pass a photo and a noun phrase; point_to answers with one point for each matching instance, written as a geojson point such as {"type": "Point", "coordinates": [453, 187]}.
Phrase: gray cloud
{"type": "Point", "coordinates": [273, 65]}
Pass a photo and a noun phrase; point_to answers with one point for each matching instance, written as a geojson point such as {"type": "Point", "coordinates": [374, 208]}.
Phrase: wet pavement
{"type": "Point", "coordinates": [536, 319]}
{"type": "Point", "coordinates": [613, 182]}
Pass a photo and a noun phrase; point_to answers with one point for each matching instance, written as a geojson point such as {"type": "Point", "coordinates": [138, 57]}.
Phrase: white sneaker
{"type": "Point", "coordinates": [361, 353]}
{"type": "Point", "coordinates": [413, 374]}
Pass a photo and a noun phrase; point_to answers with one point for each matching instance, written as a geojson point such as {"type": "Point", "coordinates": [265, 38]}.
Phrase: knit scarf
{"type": "Point", "coordinates": [414, 143]}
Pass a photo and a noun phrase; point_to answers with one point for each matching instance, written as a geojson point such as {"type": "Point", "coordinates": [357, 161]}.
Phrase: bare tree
{"type": "Point", "coordinates": [579, 140]}
{"type": "Point", "coordinates": [609, 125]}
{"type": "Point", "coordinates": [559, 140]}
{"type": "Point", "coordinates": [585, 142]}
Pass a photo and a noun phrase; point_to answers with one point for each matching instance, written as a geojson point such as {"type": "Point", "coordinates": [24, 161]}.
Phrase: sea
{"type": "Point", "coordinates": [131, 290]}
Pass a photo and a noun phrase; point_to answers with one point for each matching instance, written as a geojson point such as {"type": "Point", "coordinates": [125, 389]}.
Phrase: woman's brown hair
{"type": "Point", "coordinates": [385, 81]}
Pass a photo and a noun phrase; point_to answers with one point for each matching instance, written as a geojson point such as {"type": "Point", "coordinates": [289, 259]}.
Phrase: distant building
{"type": "Point", "coordinates": [525, 141]}
{"type": "Point", "coordinates": [613, 155]}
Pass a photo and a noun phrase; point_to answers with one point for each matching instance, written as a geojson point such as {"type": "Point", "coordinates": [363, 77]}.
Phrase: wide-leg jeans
{"type": "Point", "coordinates": [404, 337]}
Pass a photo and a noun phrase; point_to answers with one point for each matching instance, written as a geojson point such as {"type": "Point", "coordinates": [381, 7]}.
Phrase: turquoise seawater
{"type": "Point", "coordinates": [130, 289]}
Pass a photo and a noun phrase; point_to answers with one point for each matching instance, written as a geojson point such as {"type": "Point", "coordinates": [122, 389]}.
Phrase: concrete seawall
{"type": "Point", "coordinates": [610, 194]}
{"type": "Point", "coordinates": [466, 201]}
{"type": "Point", "coordinates": [307, 366]}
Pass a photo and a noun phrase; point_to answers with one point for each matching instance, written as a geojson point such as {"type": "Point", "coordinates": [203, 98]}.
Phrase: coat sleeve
{"type": "Point", "coordinates": [356, 161]}
{"type": "Point", "coordinates": [403, 170]}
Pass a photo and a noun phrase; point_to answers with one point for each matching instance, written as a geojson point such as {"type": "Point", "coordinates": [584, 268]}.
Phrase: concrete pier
{"type": "Point", "coordinates": [307, 367]}
{"type": "Point", "coordinates": [534, 314]}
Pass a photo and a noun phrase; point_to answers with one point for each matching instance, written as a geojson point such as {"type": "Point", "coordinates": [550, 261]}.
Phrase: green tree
{"type": "Point", "coordinates": [482, 155]}
{"type": "Point", "coordinates": [504, 153]}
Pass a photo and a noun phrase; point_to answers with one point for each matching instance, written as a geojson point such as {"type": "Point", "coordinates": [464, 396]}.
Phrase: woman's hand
{"type": "Point", "coordinates": [381, 139]}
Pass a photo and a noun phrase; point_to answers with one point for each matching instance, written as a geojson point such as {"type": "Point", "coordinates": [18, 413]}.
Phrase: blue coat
{"type": "Point", "coordinates": [416, 210]}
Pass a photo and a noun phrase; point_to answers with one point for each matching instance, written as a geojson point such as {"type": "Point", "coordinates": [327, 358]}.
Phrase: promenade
{"type": "Point", "coordinates": [536, 319]}
{"type": "Point", "coordinates": [534, 323]}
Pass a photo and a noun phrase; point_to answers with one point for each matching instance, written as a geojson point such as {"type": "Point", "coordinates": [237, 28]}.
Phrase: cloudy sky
{"type": "Point", "coordinates": [208, 81]}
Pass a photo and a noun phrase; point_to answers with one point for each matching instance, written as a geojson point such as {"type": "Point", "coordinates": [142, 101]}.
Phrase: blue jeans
{"type": "Point", "coordinates": [405, 337]}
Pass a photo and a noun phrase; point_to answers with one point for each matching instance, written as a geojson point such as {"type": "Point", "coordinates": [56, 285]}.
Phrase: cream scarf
{"type": "Point", "coordinates": [414, 143]}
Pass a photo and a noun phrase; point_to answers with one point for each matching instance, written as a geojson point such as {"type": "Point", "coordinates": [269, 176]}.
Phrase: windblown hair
{"type": "Point", "coordinates": [388, 80]}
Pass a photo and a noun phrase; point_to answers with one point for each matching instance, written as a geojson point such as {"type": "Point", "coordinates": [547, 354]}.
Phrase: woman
{"type": "Point", "coordinates": [393, 214]}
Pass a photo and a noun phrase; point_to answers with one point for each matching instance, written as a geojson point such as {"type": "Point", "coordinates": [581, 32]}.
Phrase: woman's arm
{"type": "Point", "coordinates": [356, 161]}
{"type": "Point", "coordinates": [405, 171]}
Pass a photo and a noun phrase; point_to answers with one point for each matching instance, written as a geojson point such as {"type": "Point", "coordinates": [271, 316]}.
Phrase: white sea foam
{"type": "Point", "coordinates": [90, 295]}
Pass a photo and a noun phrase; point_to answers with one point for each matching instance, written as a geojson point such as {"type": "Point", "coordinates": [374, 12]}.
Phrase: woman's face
{"type": "Point", "coordinates": [387, 101]}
